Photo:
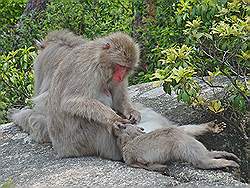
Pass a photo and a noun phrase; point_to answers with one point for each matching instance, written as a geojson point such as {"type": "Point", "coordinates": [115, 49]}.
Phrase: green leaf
{"type": "Point", "coordinates": [239, 103]}
{"type": "Point", "coordinates": [215, 106]}
{"type": "Point", "coordinates": [185, 97]}
{"type": "Point", "coordinates": [167, 88]}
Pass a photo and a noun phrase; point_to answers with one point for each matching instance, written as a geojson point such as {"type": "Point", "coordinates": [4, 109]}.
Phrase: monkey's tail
{"type": "Point", "coordinates": [20, 117]}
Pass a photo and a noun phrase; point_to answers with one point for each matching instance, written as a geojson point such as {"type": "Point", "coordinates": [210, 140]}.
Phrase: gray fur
{"type": "Point", "coordinates": [153, 150]}
{"type": "Point", "coordinates": [71, 109]}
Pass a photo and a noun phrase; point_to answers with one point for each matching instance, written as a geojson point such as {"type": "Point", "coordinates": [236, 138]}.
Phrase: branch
{"type": "Point", "coordinates": [209, 84]}
{"type": "Point", "coordinates": [223, 61]}
{"type": "Point", "coordinates": [123, 6]}
{"type": "Point", "coordinates": [235, 85]}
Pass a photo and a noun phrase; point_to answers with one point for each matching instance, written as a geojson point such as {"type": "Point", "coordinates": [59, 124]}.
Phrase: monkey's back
{"type": "Point", "coordinates": [56, 47]}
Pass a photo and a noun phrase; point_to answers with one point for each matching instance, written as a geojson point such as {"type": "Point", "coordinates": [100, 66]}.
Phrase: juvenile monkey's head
{"type": "Point", "coordinates": [121, 53]}
{"type": "Point", "coordinates": [125, 133]}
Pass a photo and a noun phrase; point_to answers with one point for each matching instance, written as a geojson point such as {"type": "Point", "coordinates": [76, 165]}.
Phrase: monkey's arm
{"type": "Point", "coordinates": [122, 104]}
{"type": "Point", "coordinates": [91, 109]}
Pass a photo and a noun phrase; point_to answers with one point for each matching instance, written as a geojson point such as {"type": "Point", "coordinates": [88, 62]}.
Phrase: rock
{"type": "Point", "coordinates": [30, 164]}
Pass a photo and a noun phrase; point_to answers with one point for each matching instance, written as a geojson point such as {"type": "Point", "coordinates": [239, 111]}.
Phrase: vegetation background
{"type": "Point", "coordinates": [183, 42]}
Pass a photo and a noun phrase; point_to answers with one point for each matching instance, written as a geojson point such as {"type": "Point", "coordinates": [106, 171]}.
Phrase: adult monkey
{"type": "Point", "coordinates": [79, 119]}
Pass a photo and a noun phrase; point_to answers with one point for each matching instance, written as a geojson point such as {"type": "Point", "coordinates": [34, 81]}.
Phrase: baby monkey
{"type": "Point", "coordinates": [153, 150]}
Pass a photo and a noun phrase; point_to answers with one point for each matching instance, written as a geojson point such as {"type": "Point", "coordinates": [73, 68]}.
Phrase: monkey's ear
{"type": "Point", "coordinates": [106, 46]}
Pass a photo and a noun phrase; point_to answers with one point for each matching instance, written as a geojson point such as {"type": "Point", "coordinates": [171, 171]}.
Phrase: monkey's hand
{"type": "Point", "coordinates": [133, 116]}
{"type": "Point", "coordinates": [135, 129]}
{"type": "Point", "coordinates": [120, 121]}
{"type": "Point", "coordinates": [117, 120]}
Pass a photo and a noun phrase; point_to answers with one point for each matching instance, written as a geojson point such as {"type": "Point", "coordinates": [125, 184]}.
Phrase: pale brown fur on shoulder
{"type": "Point", "coordinates": [62, 37]}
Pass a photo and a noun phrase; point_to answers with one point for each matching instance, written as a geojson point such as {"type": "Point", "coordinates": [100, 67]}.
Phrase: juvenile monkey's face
{"type": "Point", "coordinates": [127, 132]}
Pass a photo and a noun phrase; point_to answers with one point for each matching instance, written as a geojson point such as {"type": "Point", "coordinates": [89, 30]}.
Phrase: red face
{"type": "Point", "coordinates": [120, 72]}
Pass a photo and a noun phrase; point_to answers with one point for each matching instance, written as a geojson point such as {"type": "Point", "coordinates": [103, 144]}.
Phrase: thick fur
{"type": "Point", "coordinates": [75, 100]}
{"type": "Point", "coordinates": [153, 150]}
{"type": "Point", "coordinates": [151, 120]}
{"type": "Point", "coordinates": [56, 46]}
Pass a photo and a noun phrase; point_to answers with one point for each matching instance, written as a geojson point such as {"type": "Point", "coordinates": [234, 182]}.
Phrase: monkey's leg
{"type": "Point", "coordinates": [38, 126]}
{"type": "Point", "coordinates": [156, 167]}
{"type": "Point", "coordinates": [193, 151]}
{"type": "Point", "coordinates": [215, 163]}
{"type": "Point", "coordinates": [141, 163]}
{"type": "Point", "coordinates": [31, 122]}
{"type": "Point", "coordinates": [196, 130]}
{"type": "Point", "coordinates": [150, 167]}
{"type": "Point", "coordinates": [224, 154]}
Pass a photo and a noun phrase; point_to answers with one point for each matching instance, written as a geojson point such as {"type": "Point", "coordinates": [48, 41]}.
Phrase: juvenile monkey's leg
{"type": "Point", "coordinates": [224, 154]}
{"type": "Point", "coordinates": [156, 167]}
{"type": "Point", "coordinates": [215, 163]}
{"type": "Point", "coordinates": [150, 166]}
{"type": "Point", "coordinates": [191, 150]}
{"type": "Point", "coordinates": [196, 130]}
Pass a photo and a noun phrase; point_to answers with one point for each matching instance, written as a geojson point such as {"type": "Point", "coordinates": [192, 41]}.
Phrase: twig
{"type": "Point", "coordinates": [223, 61]}
{"type": "Point", "coordinates": [209, 84]}
{"type": "Point", "coordinates": [123, 6]}
{"type": "Point", "coordinates": [235, 85]}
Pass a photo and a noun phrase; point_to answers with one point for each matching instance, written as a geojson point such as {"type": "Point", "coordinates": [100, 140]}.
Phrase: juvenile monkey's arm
{"type": "Point", "coordinates": [91, 109]}
{"type": "Point", "coordinates": [122, 104]}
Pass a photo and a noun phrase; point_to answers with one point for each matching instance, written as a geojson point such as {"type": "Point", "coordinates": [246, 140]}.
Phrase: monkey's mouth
{"type": "Point", "coordinates": [120, 72]}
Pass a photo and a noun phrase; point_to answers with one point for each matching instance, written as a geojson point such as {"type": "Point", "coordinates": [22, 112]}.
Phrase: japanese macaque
{"type": "Point", "coordinates": [79, 93]}
{"type": "Point", "coordinates": [153, 150]}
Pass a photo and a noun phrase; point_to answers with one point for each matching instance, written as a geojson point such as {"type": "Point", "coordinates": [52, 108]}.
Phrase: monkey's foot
{"type": "Point", "coordinates": [224, 154]}
{"type": "Point", "coordinates": [215, 127]}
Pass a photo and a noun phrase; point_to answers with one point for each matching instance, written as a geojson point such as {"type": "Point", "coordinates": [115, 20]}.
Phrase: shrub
{"type": "Point", "coordinates": [16, 79]}
{"type": "Point", "coordinates": [87, 18]}
{"type": "Point", "coordinates": [214, 44]}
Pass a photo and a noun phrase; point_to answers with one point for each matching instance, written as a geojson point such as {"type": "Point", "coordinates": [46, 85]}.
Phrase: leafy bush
{"type": "Point", "coordinates": [215, 40]}
{"type": "Point", "coordinates": [16, 79]}
{"type": "Point", "coordinates": [154, 34]}
{"type": "Point", "coordinates": [10, 11]}
{"type": "Point", "coordinates": [87, 18]}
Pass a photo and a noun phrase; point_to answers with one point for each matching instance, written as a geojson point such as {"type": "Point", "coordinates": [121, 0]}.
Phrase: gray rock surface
{"type": "Point", "coordinates": [30, 164]}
